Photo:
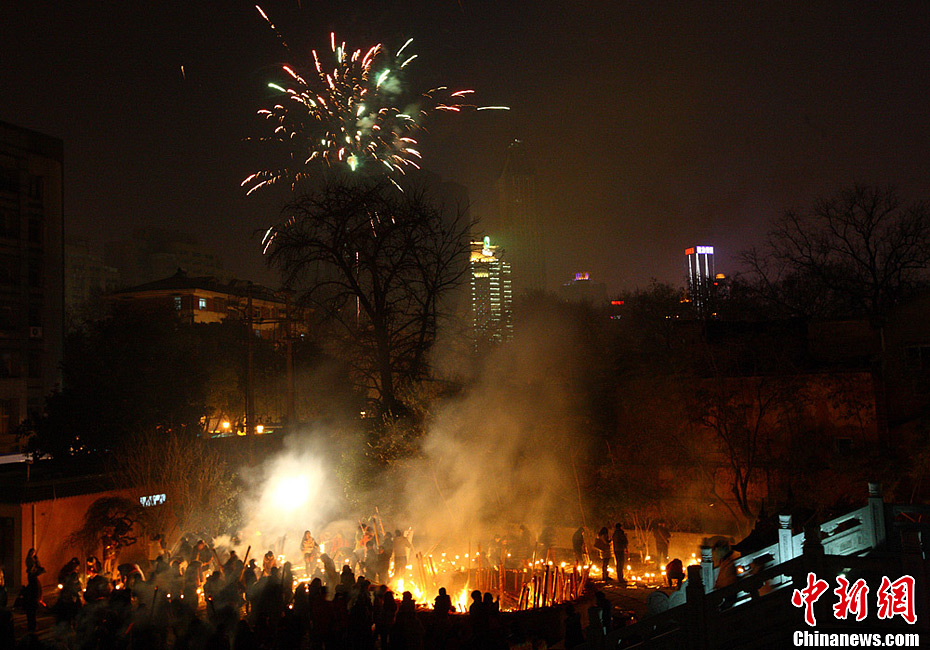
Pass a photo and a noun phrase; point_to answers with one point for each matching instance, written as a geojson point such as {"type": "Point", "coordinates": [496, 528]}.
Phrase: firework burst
{"type": "Point", "coordinates": [345, 109]}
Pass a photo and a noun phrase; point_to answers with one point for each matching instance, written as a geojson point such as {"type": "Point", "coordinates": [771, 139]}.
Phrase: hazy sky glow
{"type": "Point", "coordinates": [653, 126]}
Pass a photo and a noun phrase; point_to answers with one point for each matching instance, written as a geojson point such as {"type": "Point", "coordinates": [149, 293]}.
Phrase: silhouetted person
{"type": "Point", "coordinates": [310, 550]}
{"type": "Point", "coordinates": [674, 572]}
{"type": "Point", "coordinates": [402, 549]}
{"type": "Point", "coordinates": [32, 594]}
{"type": "Point", "coordinates": [662, 535]}
{"type": "Point", "coordinates": [578, 546]}
{"type": "Point", "coordinates": [573, 633]}
{"type": "Point", "coordinates": [442, 605]}
{"type": "Point", "coordinates": [244, 637]}
{"type": "Point", "coordinates": [69, 595]}
{"type": "Point", "coordinates": [230, 564]}
{"type": "Point", "coordinates": [480, 619]}
{"type": "Point", "coordinates": [526, 544]}
{"type": "Point", "coordinates": [602, 546]}
{"type": "Point", "coordinates": [287, 583]}
{"type": "Point", "coordinates": [546, 541]}
{"type": "Point", "coordinates": [361, 619]}
{"type": "Point", "coordinates": [202, 552]}
{"type": "Point", "coordinates": [385, 618]}
{"type": "Point", "coordinates": [725, 561]}
{"type": "Point", "coordinates": [408, 632]}
{"type": "Point", "coordinates": [268, 562]}
{"type": "Point", "coordinates": [620, 543]}
{"type": "Point", "coordinates": [382, 565]}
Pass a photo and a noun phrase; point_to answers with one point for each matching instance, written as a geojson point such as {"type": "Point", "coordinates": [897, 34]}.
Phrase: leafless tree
{"type": "Point", "coordinates": [859, 252]}
{"type": "Point", "coordinates": [200, 494]}
{"type": "Point", "coordinates": [746, 415]}
{"type": "Point", "coordinates": [116, 519]}
{"type": "Point", "coordinates": [376, 263]}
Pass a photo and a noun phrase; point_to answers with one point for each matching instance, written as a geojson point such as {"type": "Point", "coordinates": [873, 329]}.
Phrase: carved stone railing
{"type": "Point", "coordinates": [855, 533]}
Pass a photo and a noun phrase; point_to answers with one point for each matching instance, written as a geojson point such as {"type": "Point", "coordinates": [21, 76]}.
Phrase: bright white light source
{"type": "Point", "coordinates": [290, 492]}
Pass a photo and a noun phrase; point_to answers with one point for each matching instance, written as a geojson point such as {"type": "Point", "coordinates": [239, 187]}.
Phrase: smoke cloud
{"type": "Point", "coordinates": [499, 455]}
{"type": "Point", "coordinates": [502, 454]}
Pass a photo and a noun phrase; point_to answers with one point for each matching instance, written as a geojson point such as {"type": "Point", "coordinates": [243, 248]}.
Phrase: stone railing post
{"type": "Point", "coordinates": [696, 608]}
{"type": "Point", "coordinates": [877, 530]}
{"type": "Point", "coordinates": [785, 545]}
{"type": "Point", "coordinates": [707, 568]}
{"type": "Point", "coordinates": [813, 545]}
{"type": "Point", "coordinates": [812, 553]}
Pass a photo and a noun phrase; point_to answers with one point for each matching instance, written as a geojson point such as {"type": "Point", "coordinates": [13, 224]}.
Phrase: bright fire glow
{"type": "Point", "coordinates": [288, 493]}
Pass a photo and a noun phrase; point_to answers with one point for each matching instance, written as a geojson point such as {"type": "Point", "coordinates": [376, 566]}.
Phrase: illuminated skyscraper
{"type": "Point", "coordinates": [491, 296]}
{"type": "Point", "coordinates": [583, 289]}
{"type": "Point", "coordinates": [520, 220]}
{"type": "Point", "coordinates": [701, 276]}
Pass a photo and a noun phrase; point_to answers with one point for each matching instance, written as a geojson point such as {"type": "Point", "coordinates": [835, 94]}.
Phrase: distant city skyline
{"type": "Point", "coordinates": [491, 293]}
{"type": "Point", "coordinates": [650, 126]}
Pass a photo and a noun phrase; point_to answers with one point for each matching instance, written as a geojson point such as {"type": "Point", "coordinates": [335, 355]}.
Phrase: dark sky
{"type": "Point", "coordinates": [652, 126]}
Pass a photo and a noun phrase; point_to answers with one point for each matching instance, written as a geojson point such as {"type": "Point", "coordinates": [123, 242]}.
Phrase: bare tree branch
{"type": "Point", "coordinates": [376, 263]}
{"type": "Point", "coordinates": [860, 252]}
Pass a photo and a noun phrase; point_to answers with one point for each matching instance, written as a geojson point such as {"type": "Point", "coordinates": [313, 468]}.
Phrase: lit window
{"type": "Point", "coordinates": [152, 500]}
{"type": "Point", "coordinates": [202, 303]}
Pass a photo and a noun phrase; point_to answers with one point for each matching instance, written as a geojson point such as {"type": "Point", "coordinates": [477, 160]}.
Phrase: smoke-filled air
{"type": "Point", "coordinates": [493, 459]}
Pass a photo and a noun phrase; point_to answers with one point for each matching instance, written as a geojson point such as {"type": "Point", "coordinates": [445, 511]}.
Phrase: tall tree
{"type": "Point", "coordinates": [747, 416]}
{"type": "Point", "coordinates": [200, 493]}
{"type": "Point", "coordinates": [860, 252]}
{"type": "Point", "coordinates": [376, 263]}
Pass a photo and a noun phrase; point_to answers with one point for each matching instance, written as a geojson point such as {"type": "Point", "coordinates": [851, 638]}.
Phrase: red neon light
{"type": "Point", "coordinates": [616, 302]}
{"type": "Point", "coordinates": [689, 251]}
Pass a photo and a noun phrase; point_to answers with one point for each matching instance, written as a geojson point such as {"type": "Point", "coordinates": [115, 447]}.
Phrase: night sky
{"type": "Point", "coordinates": [652, 126]}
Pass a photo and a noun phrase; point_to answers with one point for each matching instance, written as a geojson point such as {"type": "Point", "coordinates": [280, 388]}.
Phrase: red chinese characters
{"type": "Point", "coordinates": [852, 599]}
{"type": "Point", "coordinates": [896, 598]}
{"type": "Point", "coordinates": [808, 596]}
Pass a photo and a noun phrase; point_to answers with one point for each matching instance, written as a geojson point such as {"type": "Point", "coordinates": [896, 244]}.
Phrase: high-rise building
{"type": "Point", "coordinates": [583, 289]}
{"type": "Point", "coordinates": [155, 253]}
{"type": "Point", "coordinates": [701, 276]}
{"type": "Point", "coordinates": [31, 273]}
{"type": "Point", "coordinates": [521, 228]}
{"type": "Point", "coordinates": [491, 295]}
{"type": "Point", "coordinates": [87, 278]}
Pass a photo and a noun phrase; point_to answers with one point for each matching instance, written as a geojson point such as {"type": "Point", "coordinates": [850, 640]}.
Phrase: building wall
{"type": "Point", "coordinates": [907, 361]}
{"type": "Point", "coordinates": [87, 280]}
{"type": "Point", "coordinates": [31, 272]}
{"type": "Point", "coordinates": [155, 253]}
{"type": "Point", "coordinates": [46, 526]}
{"type": "Point", "coordinates": [521, 224]}
{"type": "Point", "coordinates": [202, 306]}
{"type": "Point", "coordinates": [491, 296]}
{"type": "Point", "coordinates": [899, 352]}
{"type": "Point", "coordinates": [827, 414]}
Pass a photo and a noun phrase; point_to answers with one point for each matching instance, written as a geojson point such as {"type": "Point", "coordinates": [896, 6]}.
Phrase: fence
{"type": "Point", "coordinates": [875, 540]}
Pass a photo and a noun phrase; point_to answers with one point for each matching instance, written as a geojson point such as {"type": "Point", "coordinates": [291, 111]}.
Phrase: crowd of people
{"type": "Point", "coordinates": [187, 602]}
{"type": "Point", "coordinates": [613, 548]}
{"type": "Point", "coordinates": [201, 596]}
{"type": "Point", "coordinates": [336, 596]}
